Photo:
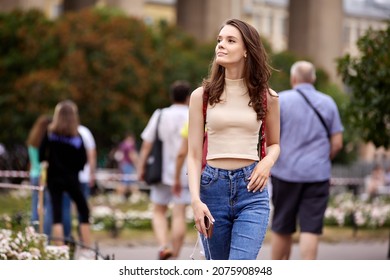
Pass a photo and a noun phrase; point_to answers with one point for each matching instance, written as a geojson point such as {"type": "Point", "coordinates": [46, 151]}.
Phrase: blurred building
{"type": "Point", "coordinates": [360, 15]}
{"type": "Point", "coordinates": [271, 17]}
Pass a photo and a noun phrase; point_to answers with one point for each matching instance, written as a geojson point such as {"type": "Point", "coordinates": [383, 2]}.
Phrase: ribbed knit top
{"type": "Point", "coordinates": [232, 125]}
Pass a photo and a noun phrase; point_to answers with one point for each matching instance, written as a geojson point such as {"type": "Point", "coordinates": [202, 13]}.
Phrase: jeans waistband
{"type": "Point", "coordinates": [226, 173]}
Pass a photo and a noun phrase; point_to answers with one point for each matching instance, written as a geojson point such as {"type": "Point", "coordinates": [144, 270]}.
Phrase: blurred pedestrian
{"type": "Point", "coordinates": [311, 136]}
{"type": "Point", "coordinates": [63, 149]}
{"type": "Point", "coordinates": [34, 139]}
{"type": "Point", "coordinates": [3, 159]}
{"type": "Point", "coordinates": [180, 164]}
{"type": "Point", "coordinates": [181, 161]}
{"type": "Point", "coordinates": [87, 174]}
{"type": "Point", "coordinates": [127, 157]}
{"type": "Point", "coordinates": [375, 182]}
{"type": "Point", "coordinates": [387, 177]}
{"type": "Point", "coordinates": [87, 182]}
{"type": "Point", "coordinates": [171, 122]}
{"type": "Point", "coordinates": [231, 191]}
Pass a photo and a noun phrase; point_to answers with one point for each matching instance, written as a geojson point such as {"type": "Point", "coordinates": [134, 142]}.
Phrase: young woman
{"type": "Point", "coordinates": [231, 190]}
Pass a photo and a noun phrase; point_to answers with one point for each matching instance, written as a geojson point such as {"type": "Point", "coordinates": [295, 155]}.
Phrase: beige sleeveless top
{"type": "Point", "coordinates": [232, 125]}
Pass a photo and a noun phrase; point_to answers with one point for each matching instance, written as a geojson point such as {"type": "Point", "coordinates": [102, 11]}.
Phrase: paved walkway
{"type": "Point", "coordinates": [373, 250]}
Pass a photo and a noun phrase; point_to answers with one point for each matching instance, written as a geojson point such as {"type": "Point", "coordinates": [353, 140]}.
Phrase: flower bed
{"type": "Point", "coordinates": [29, 245]}
{"type": "Point", "coordinates": [114, 220]}
{"type": "Point", "coordinates": [345, 209]}
{"type": "Point", "coordinates": [112, 214]}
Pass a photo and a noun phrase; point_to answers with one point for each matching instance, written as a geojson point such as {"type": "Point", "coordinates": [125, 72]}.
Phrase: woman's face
{"type": "Point", "coordinates": [230, 49]}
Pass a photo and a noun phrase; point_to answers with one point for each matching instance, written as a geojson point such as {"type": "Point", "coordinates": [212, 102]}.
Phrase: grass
{"type": "Point", "coordinates": [12, 202]}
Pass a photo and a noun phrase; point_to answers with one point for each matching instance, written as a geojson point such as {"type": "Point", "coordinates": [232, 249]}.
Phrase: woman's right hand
{"type": "Point", "coordinates": [200, 211]}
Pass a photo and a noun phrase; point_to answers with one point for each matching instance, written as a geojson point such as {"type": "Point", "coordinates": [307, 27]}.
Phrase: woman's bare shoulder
{"type": "Point", "coordinates": [198, 91]}
{"type": "Point", "coordinates": [272, 97]}
{"type": "Point", "coordinates": [273, 93]}
{"type": "Point", "coordinates": [197, 94]}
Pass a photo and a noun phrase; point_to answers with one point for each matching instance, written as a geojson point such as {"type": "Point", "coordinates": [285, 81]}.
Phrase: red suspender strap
{"type": "Point", "coordinates": [205, 142]}
{"type": "Point", "coordinates": [262, 129]}
{"type": "Point", "coordinates": [205, 101]}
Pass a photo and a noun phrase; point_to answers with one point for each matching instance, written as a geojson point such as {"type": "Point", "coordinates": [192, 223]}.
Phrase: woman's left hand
{"type": "Point", "coordinates": [259, 177]}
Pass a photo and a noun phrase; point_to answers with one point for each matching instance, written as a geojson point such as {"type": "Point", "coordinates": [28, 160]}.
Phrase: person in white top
{"type": "Point", "coordinates": [87, 175]}
{"type": "Point", "coordinates": [171, 122]}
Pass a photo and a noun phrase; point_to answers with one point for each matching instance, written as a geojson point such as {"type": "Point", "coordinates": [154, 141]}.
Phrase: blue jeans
{"type": "Point", "coordinates": [241, 217]}
{"type": "Point", "coordinates": [127, 169]}
{"type": "Point", "coordinates": [66, 215]}
{"type": "Point", "coordinates": [47, 222]}
{"type": "Point", "coordinates": [34, 200]}
{"type": "Point", "coordinates": [66, 211]}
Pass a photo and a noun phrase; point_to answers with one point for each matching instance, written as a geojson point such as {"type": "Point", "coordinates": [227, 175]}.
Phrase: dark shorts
{"type": "Point", "coordinates": [303, 203]}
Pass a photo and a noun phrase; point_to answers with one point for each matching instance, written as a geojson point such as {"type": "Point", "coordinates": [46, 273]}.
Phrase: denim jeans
{"type": "Point", "coordinates": [66, 215]}
{"type": "Point", "coordinates": [34, 200]}
{"type": "Point", "coordinates": [34, 208]}
{"type": "Point", "coordinates": [241, 217]}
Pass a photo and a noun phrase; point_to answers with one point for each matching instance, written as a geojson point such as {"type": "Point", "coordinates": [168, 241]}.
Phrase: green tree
{"type": "Point", "coordinates": [368, 80]}
{"type": "Point", "coordinates": [117, 69]}
{"type": "Point", "coordinates": [25, 48]}
{"type": "Point", "coordinates": [281, 63]}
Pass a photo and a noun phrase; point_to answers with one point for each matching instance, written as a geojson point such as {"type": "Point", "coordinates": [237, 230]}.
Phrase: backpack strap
{"type": "Point", "coordinates": [205, 139]}
{"type": "Point", "coordinates": [262, 144]}
{"type": "Point", "coordinates": [205, 101]}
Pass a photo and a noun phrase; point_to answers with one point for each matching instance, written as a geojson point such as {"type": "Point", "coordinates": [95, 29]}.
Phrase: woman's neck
{"type": "Point", "coordinates": [234, 74]}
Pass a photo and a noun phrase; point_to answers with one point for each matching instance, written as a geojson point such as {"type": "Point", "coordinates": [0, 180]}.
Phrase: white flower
{"type": "Point", "coordinates": [26, 245]}
{"type": "Point", "coordinates": [57, 252]}
{"type": "Point", "coordinates": [25, 256]}
{"type": "Point", "coordinates": [101, 211]}
{"type": "Point", "coordinates": [365, 213]}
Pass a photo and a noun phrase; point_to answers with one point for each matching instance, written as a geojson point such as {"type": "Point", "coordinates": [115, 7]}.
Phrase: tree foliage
{"type": "Point", "coordinates": [117, 69]}
{"type": "Point", "coordinates": [368, 79]}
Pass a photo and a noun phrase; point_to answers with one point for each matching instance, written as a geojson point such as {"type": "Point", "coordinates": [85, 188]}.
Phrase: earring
{"type": "Point", "coordinates": [244, 55]}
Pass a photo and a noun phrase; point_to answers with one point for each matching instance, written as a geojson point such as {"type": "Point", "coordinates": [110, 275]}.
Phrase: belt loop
{"type": "Point", "coordinates": [215, 173]}
{"type": "Point", "coordinates": [246, 172]}
{"type": "Point", "coordinates": [248, 169]}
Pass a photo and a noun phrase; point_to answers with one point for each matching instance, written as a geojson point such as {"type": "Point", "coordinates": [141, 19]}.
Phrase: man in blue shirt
{"type": "Point", "coordinates": [311, 136]}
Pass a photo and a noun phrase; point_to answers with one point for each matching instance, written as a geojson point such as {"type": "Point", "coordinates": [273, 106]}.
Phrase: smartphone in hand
{"type": "Point", "coordinates": [209, 227]}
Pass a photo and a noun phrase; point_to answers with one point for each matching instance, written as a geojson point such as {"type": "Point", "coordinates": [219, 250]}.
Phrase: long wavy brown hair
{"type": "Point", "coordinates": [257, 71]}
{"type": "Point", "coordinates": [38, 130]}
